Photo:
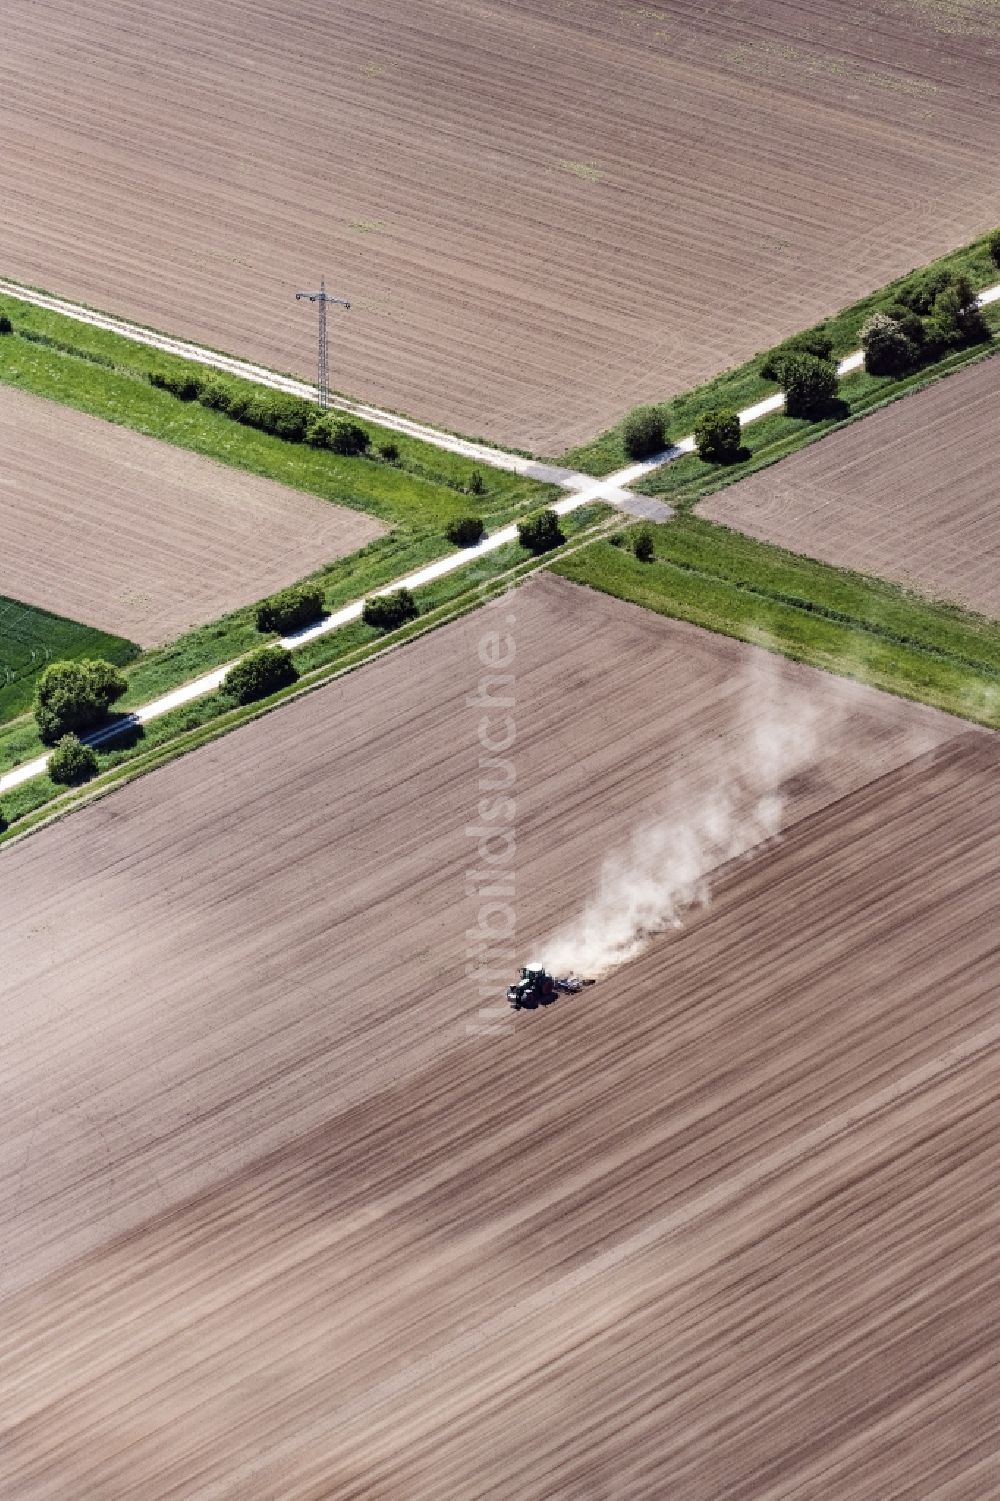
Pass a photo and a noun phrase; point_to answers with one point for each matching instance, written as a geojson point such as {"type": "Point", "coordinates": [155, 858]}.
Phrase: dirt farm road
{"type": "Point", "coordinates": [613, 489]}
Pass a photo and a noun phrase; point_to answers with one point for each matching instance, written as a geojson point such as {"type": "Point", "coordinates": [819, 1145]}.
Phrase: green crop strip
{"type": "Point", "coordinates": [31, 638]}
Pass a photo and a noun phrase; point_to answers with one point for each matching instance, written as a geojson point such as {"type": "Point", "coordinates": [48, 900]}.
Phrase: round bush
{"type": "Point", "coordinates": [888, 349]}
{"type": "Point", "coordinates": [465, 531]}
{"type": "Point", "coordinates": [389, 452]}
{"type": "Point", "coordinates": [814, 341]}
{"type": "Point", "coordinates": [644, 432]}
{"type": "Point", "coordinates": [389, 611]}
{"type": "Point", "coordinates": [810, 385]}
{"type": "Point", "coordinates": [540, 532]}
{"type": "Point", "coordinates": [349, 438]}
{"type": "Point", "coordinates": [74, 696]}
{"type": "Point", "coordinates": [290, 609]}
{"type": "Point", "coordinates": [993, 244]}
{"type": "Point", "coordinates": [6, 327]}
{"type": "Point", "coordinates": [643, 545]}
{"type": "Point", "coordinates": [259, 673]}
{"type": "Point", "coordinates": [718, 436]}
{"type": "Point", "coordinates": [71, 762]}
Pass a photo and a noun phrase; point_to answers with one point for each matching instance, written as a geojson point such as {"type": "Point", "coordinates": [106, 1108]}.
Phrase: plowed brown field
{"type": "Point", "coordinates": [542, 211]}
{"type": "Point", "coordinates": [910, 494]}
{"type": "Point", "coordinates": [142, 539]}
{"type": "Point", "coordinates": [283, 1217]}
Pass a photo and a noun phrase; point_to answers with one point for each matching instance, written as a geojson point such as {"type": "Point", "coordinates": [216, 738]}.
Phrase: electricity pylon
{"type": "Point", "coordinates": [322, 297]}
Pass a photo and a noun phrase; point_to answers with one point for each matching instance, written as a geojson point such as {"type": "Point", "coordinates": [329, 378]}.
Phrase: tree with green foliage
{"type": "Point", "coordinates": [387, 612]}
{"type": "Point", "coordinates": [261, 672]}
{"type": "Point", "coordinates": [6, 327]}
{"type": "Point", "coordinates": [644, 432]}
{"type": "Point", "coordinates": [643, 545]}
{"type": "Point", "coordinates": [540, 532]}
{"type": "Point", "coordinates": [290, 609]}
{"type": "Point", "coordinates": [888, 349]}
{"type": "Point", "coordinates": [71, 762]}
{"type": "Point", "coordinates": [993, 244]}
{"type": "Point", "coordinates": [476, 484]}
{"type": "Point", "coordinates": [814, 341]}
{"type": "Point", "coordinates": [389, 453]}
{"type": "Point", "coordinates": [810, 386]}
{"type": "Point", "coordinates": [718, 436]}
{"type": "Point", "coordinates": [465, 531]}
{"type": "Point", "coordinates": [74, 696]}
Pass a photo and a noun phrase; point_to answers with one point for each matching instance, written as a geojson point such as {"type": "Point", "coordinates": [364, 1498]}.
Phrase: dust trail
{"type": "Point", "coordinates": [735, 803]}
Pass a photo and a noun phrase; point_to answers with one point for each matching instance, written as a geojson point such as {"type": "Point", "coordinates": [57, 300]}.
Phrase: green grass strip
{"type": "Point", "coordinates": [843, 622]}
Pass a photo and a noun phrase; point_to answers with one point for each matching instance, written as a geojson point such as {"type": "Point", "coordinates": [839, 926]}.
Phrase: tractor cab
{"type": "Point", "coordinates": [533, 988]}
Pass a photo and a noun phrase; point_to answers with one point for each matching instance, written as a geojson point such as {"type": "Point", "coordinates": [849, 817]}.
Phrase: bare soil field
{"type": "Point", "coordinates": [285, 1215]}
{"type": "Point", "coordinates": [909, 493]}
{"type": "Point", "coordinates": [142, 539]}
{"type": "Point", "coordinates": [542, 211]}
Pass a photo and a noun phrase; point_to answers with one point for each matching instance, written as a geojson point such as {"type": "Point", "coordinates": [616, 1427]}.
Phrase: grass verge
{"type": "Point", "coordinates": [843, 622]}
{"type": "Point", "coordinates": [743, 386]}
{"type": "Point", "coordinates": [106, 376]}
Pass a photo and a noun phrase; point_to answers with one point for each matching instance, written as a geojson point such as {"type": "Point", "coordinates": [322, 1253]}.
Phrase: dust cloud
{"type": "Point", "coordinates": [733, 804]}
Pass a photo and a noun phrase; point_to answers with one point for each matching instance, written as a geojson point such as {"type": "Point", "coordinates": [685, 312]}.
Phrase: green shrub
{"type": "Point", "coordinates": [290, 609]}
{"type": "Point", "coordinates": [465, 531]}
{"type": "Point", "coordinates": [259, 673]}
{"type": "Point", "coordinates": [73, 696]}
{"type": "Point", "coordinates": [994, 247]}
{"type": "Point", "coordinates": [283, 416]}
{"type": "Point", "coordinates": [180, 383]}
{"type": "Point", "coordinates": [6, 327]}
{"type": "Point", "coordinates": [388, 611]}
{"type": "Point", "coordinates": [814, 341]}
{"type": "Point", "coordinates": [389, 452]}
{"type": "Point", "coordinates": [910, 323]}
{"type": "Point", "coordinates": [718, 436]}
{"type": "Point", "coordinates": [643, 544]}
{"type": "Point", "coordinates": [644, 432]}
{"type": "Point", "coordinates": [338, 434]}
{"type": "Point", "coordinates": [918, 292]}
{"type": "Point", "coordinates": [540, 532]}
{"type": "Point", "coordinates": [349, 438]}
{"type": "Point", "coordinates": [810, 385]}
{"type": "Point", "coordinates": [71, 762]}
{"type": "Point", "coordinates": [216, 395]}
{"type": "Point", "coordinates": [888, 349]}
{"type": "Point", "coordinates": [476, 485]}
{"type": "Point", "coordinates": [273, 412]}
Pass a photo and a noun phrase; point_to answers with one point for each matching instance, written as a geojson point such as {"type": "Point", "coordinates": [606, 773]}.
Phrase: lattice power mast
{"type": "Point", "coordinates": [322, 297]}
